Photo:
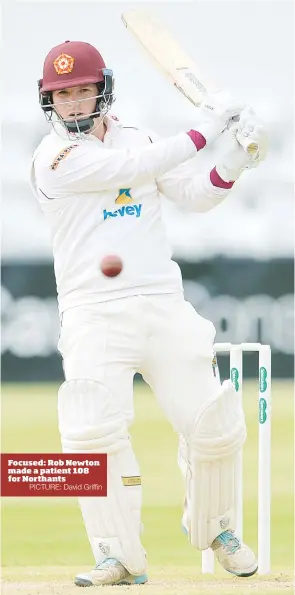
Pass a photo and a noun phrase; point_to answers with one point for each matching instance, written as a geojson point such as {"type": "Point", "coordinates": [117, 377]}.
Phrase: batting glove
{"type": "Point", "coordinates": [236, 159]}
{"type": "Point", "coordinates": [217, 112]}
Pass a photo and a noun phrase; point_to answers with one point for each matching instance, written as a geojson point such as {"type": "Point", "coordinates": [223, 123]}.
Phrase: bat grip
{"type": "Point", "coordinates": [250, 147]}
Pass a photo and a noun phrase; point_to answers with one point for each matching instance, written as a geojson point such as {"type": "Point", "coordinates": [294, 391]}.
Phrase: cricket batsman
{"type": "Point", "coordinates": [99, 185]}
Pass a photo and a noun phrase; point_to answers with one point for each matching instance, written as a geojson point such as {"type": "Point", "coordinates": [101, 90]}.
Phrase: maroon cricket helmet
{"type": "Point", "coordinates": [70, 64]}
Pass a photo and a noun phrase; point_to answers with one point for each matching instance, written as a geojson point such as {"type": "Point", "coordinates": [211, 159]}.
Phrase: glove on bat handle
{"type": "Point", "coordinates": [250, 147]}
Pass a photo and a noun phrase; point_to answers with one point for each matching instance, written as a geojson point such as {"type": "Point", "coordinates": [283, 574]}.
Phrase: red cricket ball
{"type": "Point", "coordinates": [111, 265]}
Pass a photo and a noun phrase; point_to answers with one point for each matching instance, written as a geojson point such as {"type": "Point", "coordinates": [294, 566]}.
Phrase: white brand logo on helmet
{"type": "Point", "coordinates": [64, 64]}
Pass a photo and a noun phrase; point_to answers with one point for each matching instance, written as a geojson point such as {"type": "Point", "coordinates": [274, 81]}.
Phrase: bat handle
{"type": "Point", "coordinates": [249, 146]}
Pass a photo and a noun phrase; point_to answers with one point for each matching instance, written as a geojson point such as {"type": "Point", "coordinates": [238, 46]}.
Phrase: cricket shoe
{"type": "Point", "coordinates": [233, 555]}
{"type": "Point", "coordinates": [109, 572]}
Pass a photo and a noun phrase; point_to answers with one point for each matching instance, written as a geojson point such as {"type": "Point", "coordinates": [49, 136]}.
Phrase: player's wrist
{"type": "Point", "coordinates": [218, 178]}
{"type": "Point", "coordinates": [207, 131]}
{"type": "Point", "coordinates": [198, 139]}
{"type": "Point", "coordinates": [210, 126]}
{"type": "Point", "coordinates": [233, 163]}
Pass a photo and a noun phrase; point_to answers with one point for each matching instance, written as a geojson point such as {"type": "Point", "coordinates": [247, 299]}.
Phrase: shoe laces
{"type": "Point", "coordinates": [228, 540]}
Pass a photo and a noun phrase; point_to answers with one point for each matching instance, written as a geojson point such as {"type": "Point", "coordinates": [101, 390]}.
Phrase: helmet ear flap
{"type": "Point", "coordinates": [45, 99]}
{"type": "Point", "coordinates": [106, 90]}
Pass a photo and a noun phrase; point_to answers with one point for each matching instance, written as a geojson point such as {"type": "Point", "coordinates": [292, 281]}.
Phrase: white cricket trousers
{"type": "Point", "coordinates": [163, 338]}
{"type": "Point", "coordinates": [160, 336]}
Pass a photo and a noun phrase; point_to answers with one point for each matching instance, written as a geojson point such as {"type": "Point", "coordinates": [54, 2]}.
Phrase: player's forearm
{"type": "Point", "coordinates": [199, 193]}
{"type": "Point", "coordinates": [105, 169]}
{"type": "Point", "coordinates": [143, 165]}
{"type": "Point", "coordinates": [146, 164]}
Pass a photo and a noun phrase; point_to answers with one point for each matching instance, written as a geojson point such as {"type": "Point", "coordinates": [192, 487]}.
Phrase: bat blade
{"type": "Point", "coordinates": [168, 54]}
{"type": "Point", "coordinates": [174, 62]}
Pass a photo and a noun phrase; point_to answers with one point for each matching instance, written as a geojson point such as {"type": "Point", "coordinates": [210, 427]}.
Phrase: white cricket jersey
{"type": "Point", "coordinates": [103, 198]}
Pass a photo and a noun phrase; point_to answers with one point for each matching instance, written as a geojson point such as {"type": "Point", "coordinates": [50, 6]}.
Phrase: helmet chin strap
{"type": "Point", "coordinates": [75, 126]}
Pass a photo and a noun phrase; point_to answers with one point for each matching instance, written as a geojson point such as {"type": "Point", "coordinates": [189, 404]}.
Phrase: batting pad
{"type": "Point", "coordinates": [89, 422]}
{"type": "Point", "coordinates": [219, 433]}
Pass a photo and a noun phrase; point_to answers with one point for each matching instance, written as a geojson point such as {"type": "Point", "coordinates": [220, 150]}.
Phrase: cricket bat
{"type": "Point", "coordinates": [174, 62]}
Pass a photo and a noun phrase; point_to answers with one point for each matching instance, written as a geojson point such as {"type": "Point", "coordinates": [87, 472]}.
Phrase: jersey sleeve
{"type": "Point", "coordinates": [90, 167]}
{"type": "Point", "coordinates": [189, 190]}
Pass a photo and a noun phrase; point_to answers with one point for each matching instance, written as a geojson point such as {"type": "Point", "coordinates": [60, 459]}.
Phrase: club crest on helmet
{"type": "Point", "coordinates": [64, 64]}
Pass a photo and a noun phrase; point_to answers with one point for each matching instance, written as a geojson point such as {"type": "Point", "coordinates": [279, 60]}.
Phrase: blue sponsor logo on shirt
{"type": "Point", "coordinates": [134, 211]}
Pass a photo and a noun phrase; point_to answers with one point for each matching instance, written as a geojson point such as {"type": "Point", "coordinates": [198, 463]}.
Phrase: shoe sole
{"type": "Point", "coordinates": [242, 574]}
{"type": "Point", "coordinates": [137, 580]}
{"type": "Point", "coordinates": [83, 583]}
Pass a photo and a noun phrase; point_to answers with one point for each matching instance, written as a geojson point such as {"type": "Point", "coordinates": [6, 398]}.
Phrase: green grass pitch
{"type": "Point", "coordinates": [43, 539]}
